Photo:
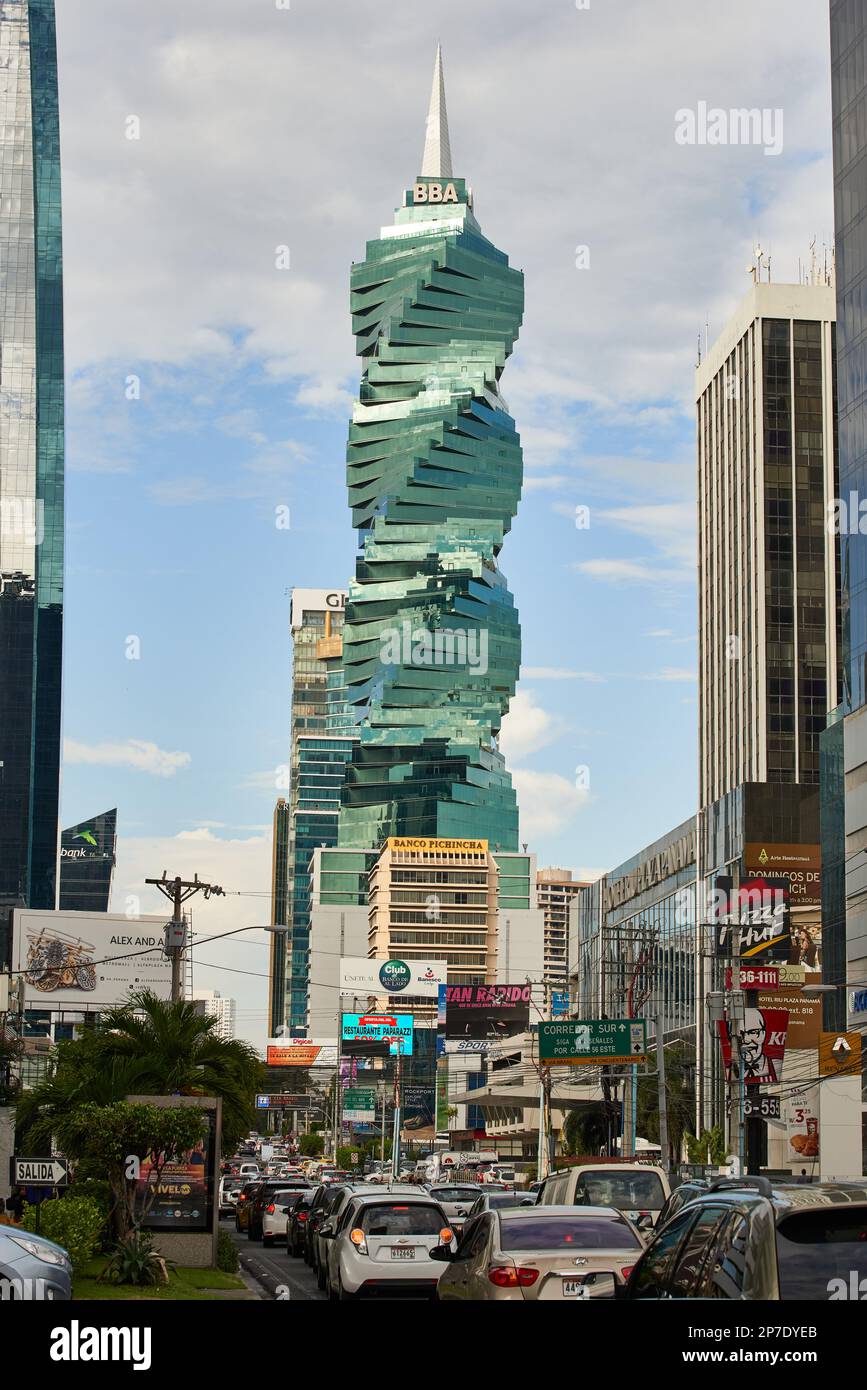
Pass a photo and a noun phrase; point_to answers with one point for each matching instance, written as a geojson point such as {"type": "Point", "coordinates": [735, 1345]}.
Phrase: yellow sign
{"type": "Point", "coordinates": [437, 846]}
{"type": "Point", "coordinates": [839, 1054]}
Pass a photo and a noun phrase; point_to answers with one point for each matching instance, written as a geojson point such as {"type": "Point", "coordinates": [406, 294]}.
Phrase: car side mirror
{"type": "Point", "coordinates": [441, 1252]}
{"type": "Point", "coordinates": [645, 1222]}
{"type": "Point", "coordinates": [326, 1230]}
{"type": "Point", "coordinates": [528, 1202]}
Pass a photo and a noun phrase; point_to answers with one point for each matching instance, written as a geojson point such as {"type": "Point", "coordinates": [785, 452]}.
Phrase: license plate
{"type": "Point", "coordinates": [403, 1252]}
{"type": "Point", "coordinates": [574, 1288]}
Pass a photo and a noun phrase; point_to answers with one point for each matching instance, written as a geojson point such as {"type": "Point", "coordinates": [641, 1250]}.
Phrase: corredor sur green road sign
{"type": "Point", "coordinates": [593, 1041]}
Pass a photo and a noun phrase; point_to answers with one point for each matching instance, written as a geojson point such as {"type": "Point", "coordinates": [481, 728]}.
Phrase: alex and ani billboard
{"type": "Point", "coordinates": [360, 975]}
{"type": "Point", "coordinates": [483, 1013]}
{"type": "Point", "coordinates": [88, 960]}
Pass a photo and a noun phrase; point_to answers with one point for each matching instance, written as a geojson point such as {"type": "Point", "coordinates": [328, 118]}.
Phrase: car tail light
{"type": "Point", "coordinates": [358, 1240]}
{"type": "Point", "coordinates": [270, 1209]}
{"type": "Point", "coordinates": [627, 1270]}
{"type": "Point", "coordinates": [446, 1235]}
{"type": "Point", "coordinates": [301, 1216]}
{"type": "Point", "coordinates": [510, 1277]}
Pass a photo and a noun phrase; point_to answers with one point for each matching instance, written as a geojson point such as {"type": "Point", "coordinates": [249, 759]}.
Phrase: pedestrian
{"type": "Point", "coordinates": [16, 1203]}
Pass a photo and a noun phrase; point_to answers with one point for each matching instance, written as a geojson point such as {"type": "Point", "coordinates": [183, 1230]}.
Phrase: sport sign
{"type": "Point", "coordinates": [596, 1041]}
{"type": "Point", "coordinates": [40, 1172]}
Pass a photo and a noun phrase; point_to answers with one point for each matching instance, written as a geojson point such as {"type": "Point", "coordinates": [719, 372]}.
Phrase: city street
{"type": "Point", "coordinates": [274, 1269]}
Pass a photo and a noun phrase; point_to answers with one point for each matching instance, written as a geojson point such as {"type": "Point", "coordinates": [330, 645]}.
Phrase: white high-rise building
{"type": "Point", "coordinates": [217, 1006]}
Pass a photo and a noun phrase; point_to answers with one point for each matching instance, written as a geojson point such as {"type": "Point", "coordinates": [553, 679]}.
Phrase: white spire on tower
{"type": "Point", "coordinates": [437, 157]}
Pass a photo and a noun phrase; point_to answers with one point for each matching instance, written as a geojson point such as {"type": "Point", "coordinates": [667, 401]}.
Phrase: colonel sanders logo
{"type": "Point", "coordinates": [761, 1046]}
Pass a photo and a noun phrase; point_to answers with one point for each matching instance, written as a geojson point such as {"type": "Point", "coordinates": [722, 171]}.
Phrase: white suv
{"type": "Point", "coordinates": [381, 1243]}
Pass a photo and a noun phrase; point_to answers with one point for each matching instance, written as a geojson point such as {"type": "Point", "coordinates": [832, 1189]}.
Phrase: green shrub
{"type": "Point", "coordinates": [74, 1222]}
{"type": "Point", "coordinates": [134, 1261]}
{"type": "Point", "coordinates": [227, 1254]}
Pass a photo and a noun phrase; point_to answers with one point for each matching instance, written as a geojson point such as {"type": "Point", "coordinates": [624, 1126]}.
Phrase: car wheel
{"type": "Point", "coordinates": [320, 1277]}
{"type": "Point", "coordinates": [267, 1240]}
{"type": "Point", "coordinates": [250, 1235]}
{"type": "Point", "coordinates": [342, 1295]}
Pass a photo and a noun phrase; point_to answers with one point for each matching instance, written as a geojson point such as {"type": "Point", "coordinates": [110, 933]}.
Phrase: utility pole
{"type": "Point", "coordinates": [177, 890]}
{"type": "Point", "coordinates": [663, 1095]}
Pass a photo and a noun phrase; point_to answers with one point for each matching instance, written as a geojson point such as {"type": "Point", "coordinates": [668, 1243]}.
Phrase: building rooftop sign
{"type": "Point", "coordinates": [433, 846]}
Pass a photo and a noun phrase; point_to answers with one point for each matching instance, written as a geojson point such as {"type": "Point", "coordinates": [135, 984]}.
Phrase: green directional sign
{"type": "Point", "coordinates": [586, 1042]}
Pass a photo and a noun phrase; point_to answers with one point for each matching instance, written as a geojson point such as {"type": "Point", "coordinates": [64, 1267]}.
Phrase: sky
{"type": "Point", "coordinates": [224, 162]}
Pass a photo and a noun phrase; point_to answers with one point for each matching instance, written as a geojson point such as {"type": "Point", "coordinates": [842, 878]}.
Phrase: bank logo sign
{"type": "Point", "coordinates": [362, 976]}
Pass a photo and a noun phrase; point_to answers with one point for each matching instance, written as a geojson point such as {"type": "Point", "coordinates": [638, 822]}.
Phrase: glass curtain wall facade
{"type": "Point", "coordinates": [849, 106]}
{"type": "Point", "coordinates": [434, 469]}
{"type": "Point", "coordinates": [321, 742]}
{"type": "Point", "coordinates": [87, 859]}
{"type": "Point", "coordinates": [31, 454]}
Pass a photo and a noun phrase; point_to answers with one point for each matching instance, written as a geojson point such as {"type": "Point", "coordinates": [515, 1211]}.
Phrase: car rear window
{"type": "Point", "coordinates": [823, 1254]}
{"type": "Point", "coordinates": [285, 1196]}
{"type": "Point", "coordinates": [454, 1194]}
{"type": "Point", "coordinates": [506, 1199]}
{"type": "Point", "coordinates": [395, 1219]}
{"type": "Point", "coordinates": [566, 1233]}
{"type": "Point", "coordinates": [626, 1191]}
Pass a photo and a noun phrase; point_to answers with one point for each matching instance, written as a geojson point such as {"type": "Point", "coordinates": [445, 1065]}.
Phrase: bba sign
{"type": "Point", "coordinates": [434, 193]}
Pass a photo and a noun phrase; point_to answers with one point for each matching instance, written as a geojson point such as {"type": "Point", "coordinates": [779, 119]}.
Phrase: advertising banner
{"type": "Point", "coordinates": [484, 1011]}
{"type": "Point", "coordinates": [380, 1028]}
{"type": "Point", "coordinates": [88, 960]}
{"type": "Point", "coordinates": [184, 1188]}
{"type": "Point", "coordinates": [359, 975]}
{"type": "Point", "coordinates": [805, 1014]}
{"type": "Point", "coordinates": [752, 921]}
{"type": "Point", "coordinates": [762, 1045]}
{"type": "Point", "coordinates": [801, 865]}
{"type": "Point", "coordinates": [418, 1107]}
{"type": "Point", "coordinates": [802, 1126]}
{"type": "Point", "coordinates": [442, 1118]}
{"type": "Point", "coordinates": [300, 1052]}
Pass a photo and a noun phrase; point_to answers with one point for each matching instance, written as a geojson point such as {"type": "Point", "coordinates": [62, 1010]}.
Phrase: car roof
{"type": "Point", "coordinates": [556, 1209]}
{"type": "Point", "coordinates": [785, 1197]}
{"type": "Point", "coordinates": [385, 1193]}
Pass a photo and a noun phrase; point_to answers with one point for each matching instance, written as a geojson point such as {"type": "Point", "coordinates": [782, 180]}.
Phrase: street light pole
{"type": "Point", "coordinates": [177, 890]}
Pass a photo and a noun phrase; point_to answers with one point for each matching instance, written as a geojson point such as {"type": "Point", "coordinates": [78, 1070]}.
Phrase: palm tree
{"type": "Point", "coordinates": [149, 1047]}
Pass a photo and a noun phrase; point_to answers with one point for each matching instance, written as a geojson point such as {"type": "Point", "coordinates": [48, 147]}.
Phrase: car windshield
{"type": "Point", "coordinates": [566, 1233]}
{"type": "Point", "coordinates": [415, 1219]}
{"type": "Point", "coordinates": [823, 1254]}
{"type": "Point", "coordinates": [232, 1185]}
{"type": "Point", "coordinates": [628, 1191]}
{"type": "Point", "coordinates": [454, 1194]}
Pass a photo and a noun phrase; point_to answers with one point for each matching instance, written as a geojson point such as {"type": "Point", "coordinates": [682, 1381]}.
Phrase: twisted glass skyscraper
{"type": "Point", "coordinates": [31, 454]}
{"type": "Point", "coordinates": [431, 638]}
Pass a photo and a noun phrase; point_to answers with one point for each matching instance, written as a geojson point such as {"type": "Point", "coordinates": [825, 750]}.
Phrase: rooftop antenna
{"type": "Point", "coordinates": [698, 362]}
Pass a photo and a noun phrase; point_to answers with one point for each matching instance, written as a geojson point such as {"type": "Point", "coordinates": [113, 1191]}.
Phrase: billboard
{"type": "Point", "coordinates": [88, 960]}
{"type": "Point", "coordinates": [418, 1107]}
{"type": "Point", "coordinates": [300, 1052]}
{"type": "Point", "coordinates": [762, 1046]}
{"type": "Point", "coordinates": [801, 865]}
{"type": "Point", "coordinates": [380, 1028]}
{"type": "Point", "coordinates": [359, 975]}
{"type": "Point", "coordinates": [802, 1126]}
{"type": "Point", "coordinates": [752, 920]}
{"type": "Point", "coordinates": [484, 1011]}
{"type": "Point", "coordinates": [184, 1188]}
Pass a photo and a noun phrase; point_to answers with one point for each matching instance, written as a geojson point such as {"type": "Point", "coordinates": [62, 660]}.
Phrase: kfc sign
{"type": "Point", "coordinates": [761, 1046]}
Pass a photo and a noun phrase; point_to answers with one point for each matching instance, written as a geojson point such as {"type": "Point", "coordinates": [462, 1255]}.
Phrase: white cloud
{"type": "Point", "coordinates": [558, 673]}
{"type": "Point", "coordinates": [672, 673]}
{"type": "Point", "coordinates": [547, 802]}
{"type": "Point", "coordinates": [527, 728]}
{"type": "Point", "coordinates": [632, 571]}
{"type": "Point", "coordinates": [134, 753]}
{"type": "Point", "coordinates": [240, 866]}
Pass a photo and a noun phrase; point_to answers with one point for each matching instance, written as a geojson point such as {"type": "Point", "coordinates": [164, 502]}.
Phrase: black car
{"type": "Point", "coordinates": [686, 1192]}
{"type": "Point", "coordinates": [317, 1210]}
{"type": "Point", "coordinates": [746, 1238]}
{"type": "Point", "coordinates": [263, 1195]}
{"type": "Point", "coordinates": [296, 1227]}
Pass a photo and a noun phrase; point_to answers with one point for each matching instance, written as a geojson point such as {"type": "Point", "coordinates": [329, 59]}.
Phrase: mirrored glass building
{"type": "Point", "coordinates": [431, 639]}
{"type": "Point", "coordinates": [31, 454]}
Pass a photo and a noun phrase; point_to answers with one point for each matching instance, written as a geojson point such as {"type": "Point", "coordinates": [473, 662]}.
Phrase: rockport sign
{"type": "Point", "coordinates": [652, 871]}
